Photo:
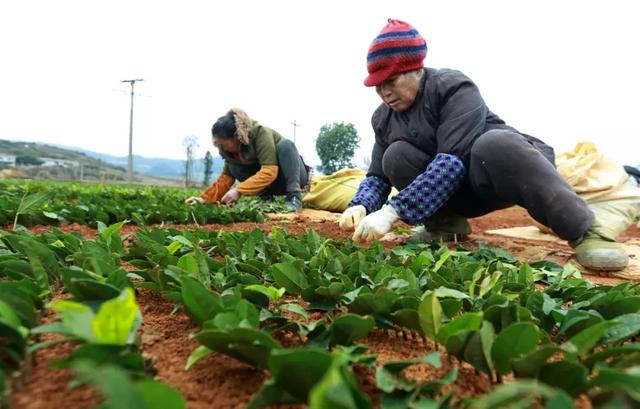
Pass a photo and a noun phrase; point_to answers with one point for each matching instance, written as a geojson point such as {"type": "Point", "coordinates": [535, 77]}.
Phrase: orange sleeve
{"type": "Point", "coordinates": [260, 181]}
{"type": "Point", "coordinates": [221, 186]}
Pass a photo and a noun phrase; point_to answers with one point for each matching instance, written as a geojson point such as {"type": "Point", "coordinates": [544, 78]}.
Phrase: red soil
{"type": "Point", "coordinates": [221, 382]}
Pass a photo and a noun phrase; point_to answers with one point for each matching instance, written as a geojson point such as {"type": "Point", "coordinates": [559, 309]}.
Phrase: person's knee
{"type": "Point", "coordinates": [403, 162]}
{"type": "Point", "coordinates": [495, 142]}
{"type": "Point", "coordinates": [285, 147]}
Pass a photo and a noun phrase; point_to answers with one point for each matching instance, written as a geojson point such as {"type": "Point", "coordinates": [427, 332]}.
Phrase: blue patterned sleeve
{"type": "Point", "coordinates": [372, 193]}
{"type": "Point", "coordinates": [430, 190]}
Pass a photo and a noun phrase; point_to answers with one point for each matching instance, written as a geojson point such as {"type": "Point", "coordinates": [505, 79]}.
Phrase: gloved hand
{"type": "Point", "coordinates": [376, 225]}
{"type": "Point", "coordinates": [193, 200]}
{"type": "Point", "coordinates": [351, 217]}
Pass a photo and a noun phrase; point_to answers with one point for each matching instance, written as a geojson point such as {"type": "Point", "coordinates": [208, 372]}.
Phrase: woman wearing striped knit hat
{"type": "Point", "coordinates": [451, 158]}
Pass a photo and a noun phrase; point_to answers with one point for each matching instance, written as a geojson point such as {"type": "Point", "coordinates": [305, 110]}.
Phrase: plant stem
{"type": "Point", "coordinates": [15, 220]}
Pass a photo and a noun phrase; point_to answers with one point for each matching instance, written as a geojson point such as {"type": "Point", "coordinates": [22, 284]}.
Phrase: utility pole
{"type": "Point", "coordinates": [130, 167]}
{"type": "Point", "coordinates": [295, 125]}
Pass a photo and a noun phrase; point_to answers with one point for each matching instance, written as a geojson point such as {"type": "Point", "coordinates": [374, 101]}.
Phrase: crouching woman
{"type": "Point", "coordinates": [263, 162]}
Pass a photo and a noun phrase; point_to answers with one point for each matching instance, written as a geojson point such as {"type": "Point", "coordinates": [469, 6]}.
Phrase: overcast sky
{"type": "Point", "coordinates": [563, 71]}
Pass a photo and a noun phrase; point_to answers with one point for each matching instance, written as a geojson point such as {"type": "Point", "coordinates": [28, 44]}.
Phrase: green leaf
{"type": "Point", "coordinates": [586, 339]}
{"type": "Point", "coordinates": [611, 379]}
{"type": "Point", "coordinates": [529, 365]}
{"type": "Point", "coordinates": [627, 326]}
{"type": "Point", "coordinates": [90, 289]}
{"type": "Point", "coordinates": [77, 317]}
{"type": "Point", "coordinates": [443, 258]}
{"type": "Point", "coordinates": [488, 283]}
{"type": "Point", "coordinates": [200, 303]}
{"type": "Point", "coordinates": [30, 202]}
{"type": "Point", "coordinates": [514, 341]}
{"type": "Point", "coordinates": [188, 263]}
{"type": "Point", "coordinates": [117, 320]}
{"type": "Point", "coordinates": [474, 354]}
{"type": "Point", "coordinates": [470, 321]}
{"type": "Point", "coordinates": [9, 315]}
{"type": "Point", "coordinates": [183, 240]}
{"type": "Point", "coordinates": [296, 309]}
{"type": "Point", "coordinates": [288, 276]}
{"type": "Point", "coordinates": [407, 318]}
{"type": "Point", "coordinates": [602, 356]}
{"type": "Point", "coordinates": [380, 302]}
{"type": "Point", "coordinates": [173, 247]}
{"type": "Point", "coordinates": [22, 304]}
{"type": "Point", "coordinates": [50, 215]}
{"type": "Point", "coordinates": [576, 320]}
{"type": "Point", "coordinates": [488, 337]}
{"type": "Point", "coordinates": [113, 229]}
{"type": "Point", "coordinates": [430, 314]}
{"type": "Point", "coordinates": [120, 392]}
{"type": "Point", "coordinates": [520, 394]}
{"type": "Point", "coordinates": [248, 345]}
{"type": "Point", "coordinates": [478, 349]}
{"type": "Point", "coordinates": [626, 305]}
{"type": "Point", "coordinates": [272, 293]}
{"type": "Point", "coordinates": [337, 390]}
{"type": "Point", "coordinates": [16, 269]}
{"type": "Point", "coordinates": [568, 376]}
{"type": "Point", "coordinates": [348, 328]}
{"type": "Point", "coordinates": [244, 315]}
{"type": "Point", "coordinates": [197, 355]}
{"type": "Point", "coordinates": [298, 370]}
{"type": "Point", "coordinates": [444, 292]}
{"type": "Point", "coordinates": [270, 394]}
{"type": "Point", "coordinates": [159, 395]}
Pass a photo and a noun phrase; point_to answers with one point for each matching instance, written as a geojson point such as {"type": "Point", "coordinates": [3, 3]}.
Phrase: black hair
{"type": "Point", "coordinates": [225, 127]}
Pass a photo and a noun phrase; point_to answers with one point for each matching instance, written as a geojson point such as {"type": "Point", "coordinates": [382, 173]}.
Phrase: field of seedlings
{"type": "Point", "coordinates": [124, 297]}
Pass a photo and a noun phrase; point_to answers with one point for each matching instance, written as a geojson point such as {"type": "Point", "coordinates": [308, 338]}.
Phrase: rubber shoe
{"type": "Point", "coordinates": [600, 252]}
{"type": "Point", "coordinates": [446, 228]}
{"type": "Point", "coordinates": [293, 202]}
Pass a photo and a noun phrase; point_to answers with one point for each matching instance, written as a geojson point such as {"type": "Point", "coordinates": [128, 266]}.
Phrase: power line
{"type": "Point", "coordinates": [130, 162]}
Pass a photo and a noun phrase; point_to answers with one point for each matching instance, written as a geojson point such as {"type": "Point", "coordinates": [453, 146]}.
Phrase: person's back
{"type": "Point", "coordinates": [439, 90]}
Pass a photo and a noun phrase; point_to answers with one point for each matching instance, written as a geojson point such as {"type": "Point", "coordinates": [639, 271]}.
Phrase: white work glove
{"type": "Point", "coordinates": [193, 200]}
{"type": "Point", "coordinates": [376, 225]}
{"type": "Point", "coordinates": [352, 217]}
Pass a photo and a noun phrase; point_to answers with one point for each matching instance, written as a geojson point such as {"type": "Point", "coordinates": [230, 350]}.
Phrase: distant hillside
{"type": "Point", "coordinates": [41, 151]}
{"type": "Point", "coordinates": [161, 167]}
{"type": "Point", "coordinates": [156, 167]}
{"type": "Point", "coordinates": [44, 161]}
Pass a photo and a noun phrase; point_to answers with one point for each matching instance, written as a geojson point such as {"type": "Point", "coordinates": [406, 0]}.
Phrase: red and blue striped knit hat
{"type": "Point", "coordinates": [398, 48]}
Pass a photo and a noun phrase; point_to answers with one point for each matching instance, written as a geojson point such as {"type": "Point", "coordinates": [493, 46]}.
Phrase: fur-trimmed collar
{"type": "Point", "coordinates": [243, 125]}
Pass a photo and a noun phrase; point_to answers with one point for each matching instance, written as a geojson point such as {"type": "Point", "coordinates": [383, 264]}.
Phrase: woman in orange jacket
{"type": "Point", "coordinates": [265, 163]}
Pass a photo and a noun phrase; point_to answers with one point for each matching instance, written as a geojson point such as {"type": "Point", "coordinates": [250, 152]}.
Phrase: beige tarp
{"type": "Point", "coordinates": [593, 176]}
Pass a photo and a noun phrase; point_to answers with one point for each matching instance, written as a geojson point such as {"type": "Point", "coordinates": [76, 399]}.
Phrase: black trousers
{"type": "Point", "coordinates": [293, 174]}
{"type": "Point", "coordinates": [505, 169]}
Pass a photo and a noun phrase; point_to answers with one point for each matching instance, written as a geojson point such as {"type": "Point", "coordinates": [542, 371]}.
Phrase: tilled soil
{"type": "Point", "coordinates": [222, 382]}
